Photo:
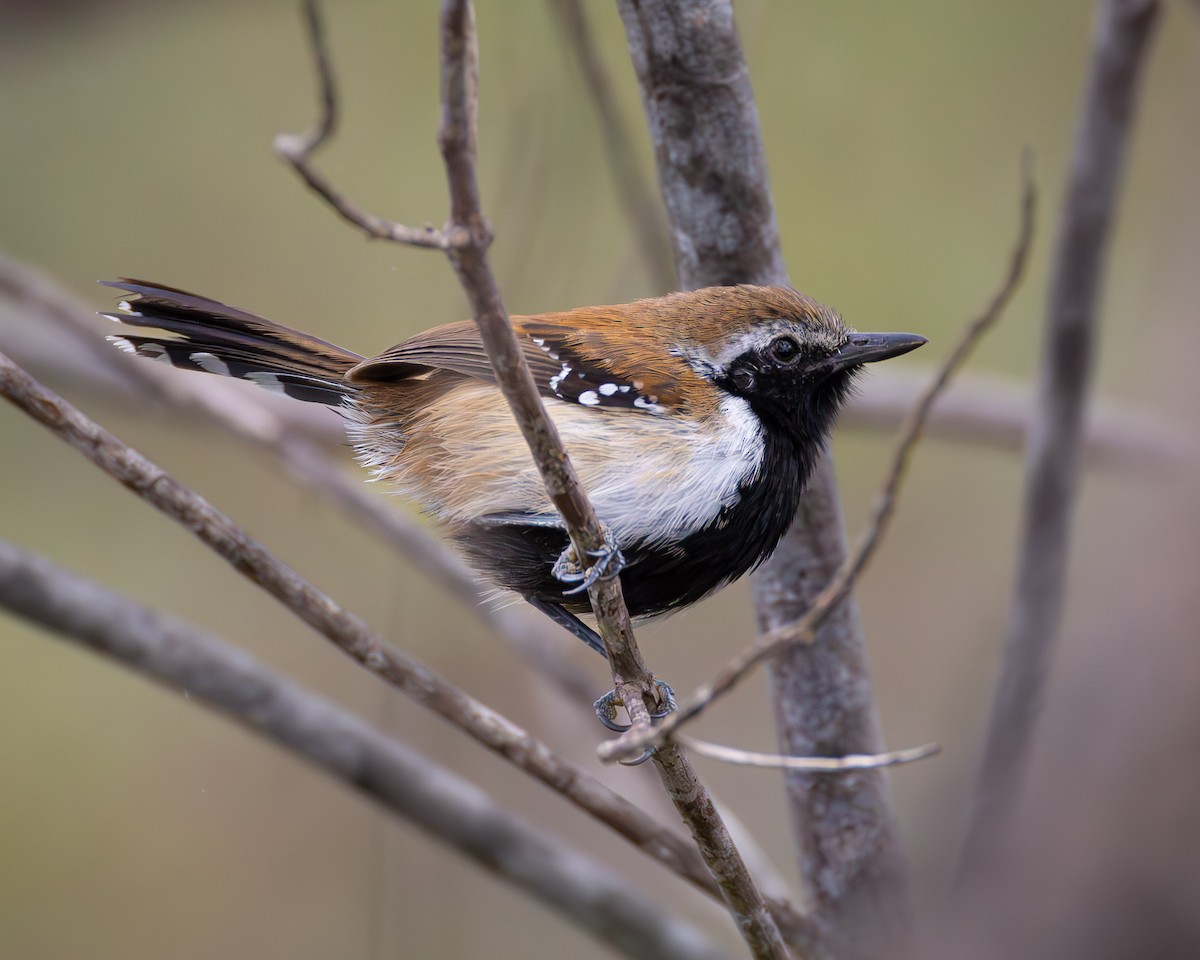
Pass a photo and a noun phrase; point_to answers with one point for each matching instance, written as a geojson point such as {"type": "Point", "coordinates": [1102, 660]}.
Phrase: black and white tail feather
{"type": "Point", "coordinates": [205, 335]}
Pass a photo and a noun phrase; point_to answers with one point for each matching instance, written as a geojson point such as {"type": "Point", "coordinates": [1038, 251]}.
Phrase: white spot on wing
{"type": "Point", "coordinates": [607, 389]}
{"type": "Point", "coordinates": [122, 344]}
{"type": "Point", "coordinates": [268, 381]}
{"type": "Point", "coordinates": [125, 307]}
{"type": "Point", "coordinates": [589, 398]}
{"type": "Point", "coordinates": [649, 404]}
{"type": "Point", "coordinates": [210, 362]}
{"type": "Point", "coordinates": [558, 377]}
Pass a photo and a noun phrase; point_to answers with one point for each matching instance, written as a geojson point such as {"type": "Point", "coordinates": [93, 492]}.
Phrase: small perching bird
{"type": "Point", "coordinates": [693, 421]}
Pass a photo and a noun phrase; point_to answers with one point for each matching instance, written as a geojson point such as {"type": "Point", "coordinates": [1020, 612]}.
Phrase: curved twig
{"type": "Point", "coordinates": [804, 630]}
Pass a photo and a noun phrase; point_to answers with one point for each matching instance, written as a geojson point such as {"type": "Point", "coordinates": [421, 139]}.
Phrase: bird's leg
{"type": "Point", "coordinates": [564, 618]}
{"type": "Point", "coordinates": [606, 706]}
{"type": "Point", "coordinates": [609, 563]}
{"type": "Point", "coordinates": [606, 713]}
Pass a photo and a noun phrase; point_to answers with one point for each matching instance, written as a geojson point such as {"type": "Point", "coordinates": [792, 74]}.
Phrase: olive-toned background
{"type": "Point", "coordinates": [136, 141]}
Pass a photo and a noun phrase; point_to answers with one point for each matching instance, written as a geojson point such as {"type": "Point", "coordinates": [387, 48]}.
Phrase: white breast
{"type": "Point", "coordinates": [651, 478]}
{"type": "Point", "coordinates": [663, 491]}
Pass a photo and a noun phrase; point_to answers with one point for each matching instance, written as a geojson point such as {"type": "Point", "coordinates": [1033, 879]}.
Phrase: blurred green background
{"type": "Point", "coordinates": [136, 141]}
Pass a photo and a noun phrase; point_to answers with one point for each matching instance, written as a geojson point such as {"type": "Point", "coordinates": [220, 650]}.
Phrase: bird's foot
{"type": "Point", "coordinates": [609, 562]}
{"type": "Point", "coordinates": [606, 713]}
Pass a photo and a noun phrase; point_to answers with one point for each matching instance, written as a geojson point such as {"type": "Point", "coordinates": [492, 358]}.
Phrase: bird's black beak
{"type": "Point", "coordinates": [869, 347]}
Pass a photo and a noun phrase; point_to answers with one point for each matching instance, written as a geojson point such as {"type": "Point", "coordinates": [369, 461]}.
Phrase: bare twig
{"type": "Point", "coordinates": [298, 148]}
{"type": "Point", "coordinates": [805, 630]}
{"type": "Point", "coordinates": [468, 235]}
{"type": "Point", "coordinates": [643, 208]}
{"type": "Point", "coordinates": [1124, 29]}
{"type": "Point", "coordinates": [404, 782]}
{"type": "Point", "coordinates": [776, 761]}
{"type": "Point", "coordinates": [465, 240]}
{"type": "Point", "coordinates": [350, 634]}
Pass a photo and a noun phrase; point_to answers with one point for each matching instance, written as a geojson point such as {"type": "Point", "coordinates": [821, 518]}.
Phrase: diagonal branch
{"type": "Point", "coordinates": [352, 636]}
{"type": "Point", "coordinates": [1124, 30]}
{"type": "Point", "coordinates": [467, 237]}
{"type": "Point", "coordinates": [266, 421]}
{"type": "Point", "coordinates": [402, 781]}
{"type": "Point", "coordinates": [632, 680]}
{"type": "Point", "coordinates": [804, 631]}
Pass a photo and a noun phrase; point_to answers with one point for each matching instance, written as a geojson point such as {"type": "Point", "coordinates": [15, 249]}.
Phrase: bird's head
{"type": "Point", "coordinates": [790, 358]}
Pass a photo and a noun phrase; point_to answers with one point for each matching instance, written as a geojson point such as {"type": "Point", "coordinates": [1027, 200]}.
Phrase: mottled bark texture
{"type": "Point", "coordinates": [713, 176]}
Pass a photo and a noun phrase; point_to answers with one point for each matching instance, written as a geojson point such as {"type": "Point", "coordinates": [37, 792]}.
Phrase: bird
{"type": "Point", "coordinates": [693, 421]}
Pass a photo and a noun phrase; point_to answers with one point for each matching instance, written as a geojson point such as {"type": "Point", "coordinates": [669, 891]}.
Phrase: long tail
{"type": "Point", "coordinates": [202, 334]}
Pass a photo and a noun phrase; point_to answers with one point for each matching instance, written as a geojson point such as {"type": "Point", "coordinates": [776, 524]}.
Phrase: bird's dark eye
{"type": "Point", "coordinates": [784, 349]}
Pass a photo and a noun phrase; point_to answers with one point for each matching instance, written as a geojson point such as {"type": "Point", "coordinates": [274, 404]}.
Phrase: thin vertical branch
{"type": "Point", "coordinates": [465, 239]}
{"type": "Point", "coordinates": [469, 235]}
{"type": "Point", "coordinates": [1124, 29]}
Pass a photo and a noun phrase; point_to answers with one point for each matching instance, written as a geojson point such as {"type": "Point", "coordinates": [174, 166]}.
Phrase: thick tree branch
{"type": "Point", "coordinates": [1124, 29]}
{"type": "Point", "coordinates": [402, 781]}
{"type": "Point", "coordinates": [712, 172]}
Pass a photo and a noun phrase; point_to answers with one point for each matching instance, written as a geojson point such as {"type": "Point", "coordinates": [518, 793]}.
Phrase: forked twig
{"type": "Point", "coordinates": [298, 149]}
{"type": "Point", "coordinates": [803, 631]}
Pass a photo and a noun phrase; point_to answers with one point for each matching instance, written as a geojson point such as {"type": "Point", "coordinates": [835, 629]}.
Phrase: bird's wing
{"type": "Point", "coordinates": [576, 365]}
